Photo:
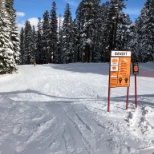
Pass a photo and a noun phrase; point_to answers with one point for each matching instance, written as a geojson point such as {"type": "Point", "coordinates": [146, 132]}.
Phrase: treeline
{"type": "Point", "coordinates": [96, 30]}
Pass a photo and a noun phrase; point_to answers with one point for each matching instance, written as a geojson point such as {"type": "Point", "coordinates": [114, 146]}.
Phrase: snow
{"type": "Point", "coordinates": [62, 109]}
{"type": "Point", "coordinates": [89, 41]}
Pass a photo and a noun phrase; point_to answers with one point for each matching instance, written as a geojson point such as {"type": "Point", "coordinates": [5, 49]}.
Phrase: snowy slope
{"type": "Point", "coordinates": [62, 109]}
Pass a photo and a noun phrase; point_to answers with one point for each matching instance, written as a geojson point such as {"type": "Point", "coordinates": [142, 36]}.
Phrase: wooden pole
{"type": "Point", "coordinates": [136, 103]}
{"type": "Point", "coordinates": [109, 91]}
{"type": "Point", "coordinates": [127, 98]}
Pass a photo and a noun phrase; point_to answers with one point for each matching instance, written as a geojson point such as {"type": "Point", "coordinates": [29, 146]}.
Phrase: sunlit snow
{"type": "Point", "coordinates": [62, 109]}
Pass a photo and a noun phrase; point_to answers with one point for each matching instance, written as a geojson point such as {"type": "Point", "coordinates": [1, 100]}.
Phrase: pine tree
{"type": "Point", "coordinates": [112, 26]}
{"type": "Point", "coordinates": [39, 45]}
{"type": "Point", "coordinates": [132, 42]}
{"type": "Point", "coordinates": [59, 43]}
{"type": "Point", "coordinates": [123, 32]}
{"type": "Point", "coordinates": [46, 37]}
{"type": "Point", "coordinates": [67, 40]}
{"type": "Point", "coordinates": [34, 48]}
{"type": "Point", "coordinates": [14, 33]}
{"type": "Point", "coordinates": [76, 42]}
{"type": "Point", "coordinates": [104, 39]}
{"type": "Point", "coordinates": [138, 25]}
{"type": "Point", "coordinates": [8, 50]}
{"type": "Point", "coordinates": [116, 7]}
{"type": "Point", "coordinates": [84, 17]}
{"type": "Point", "coordinates": [53, 35]}
{"type": "Point", "coordinates": [146, 31]}
{"type": "Point", "coordinates": [150, 31]}
{"type": "Point", "coordinates": [97, 23]}
{"type": "Point", "coordinates": [88, 13]}
{"type": "Point", "coordinates": [28, 43]}
{"type": "Point", "coordinates": [22, 49]}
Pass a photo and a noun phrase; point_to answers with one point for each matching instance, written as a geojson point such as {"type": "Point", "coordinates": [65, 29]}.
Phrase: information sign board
{"type": "Point", "coordinates": [120, 64]}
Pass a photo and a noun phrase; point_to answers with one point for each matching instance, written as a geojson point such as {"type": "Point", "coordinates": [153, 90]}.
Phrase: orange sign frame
{"type": "Point", "coordinates": [120, 68]}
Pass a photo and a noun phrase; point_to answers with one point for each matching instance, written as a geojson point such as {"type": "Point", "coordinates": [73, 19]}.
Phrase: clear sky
{"type": "Point", "coordinates": [32, 9]}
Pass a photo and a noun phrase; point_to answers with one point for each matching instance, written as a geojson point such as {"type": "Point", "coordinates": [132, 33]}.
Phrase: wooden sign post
{"type": "Point", "coordinates": [135, 72]}
{"type": "Point", "coordinates": [119, 72]}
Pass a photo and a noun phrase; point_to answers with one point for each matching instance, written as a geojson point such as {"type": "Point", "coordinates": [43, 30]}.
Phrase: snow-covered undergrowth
{"type": "Point", "coordinates": [62, 109]}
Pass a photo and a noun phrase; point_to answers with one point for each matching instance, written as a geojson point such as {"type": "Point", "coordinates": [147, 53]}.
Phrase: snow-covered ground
{"type": "Point", "coordinates": [62, 109]}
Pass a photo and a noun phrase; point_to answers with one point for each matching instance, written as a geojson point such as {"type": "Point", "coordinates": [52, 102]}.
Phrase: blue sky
{"type": "Point", "coordinates": [32, 9]}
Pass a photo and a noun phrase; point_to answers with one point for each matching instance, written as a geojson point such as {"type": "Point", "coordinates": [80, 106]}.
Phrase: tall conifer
{"type": "Point", "coordinates": [9, 41]}
{"type": "Point", "coordinates": [53, 34]}
{"type": "Point", "coordinates": [46, 36]}
{"type": "Point", "coordinates": [67, 40]}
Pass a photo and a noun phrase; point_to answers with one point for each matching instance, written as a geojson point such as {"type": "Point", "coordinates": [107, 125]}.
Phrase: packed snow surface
{"type": "Point", "coordinates": [62, 109]}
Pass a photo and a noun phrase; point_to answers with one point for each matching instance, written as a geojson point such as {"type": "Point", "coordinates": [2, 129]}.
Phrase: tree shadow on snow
{"type": "Point", "coordinates": [95, 68]}
{"type": "Point", "coordinates": [8, 95]}
{"type": "Point", "coordinates": [143, 100]}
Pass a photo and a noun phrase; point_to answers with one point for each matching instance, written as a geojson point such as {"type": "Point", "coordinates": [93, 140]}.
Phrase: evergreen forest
{"type": "Point", "coordinates": [96, 30]}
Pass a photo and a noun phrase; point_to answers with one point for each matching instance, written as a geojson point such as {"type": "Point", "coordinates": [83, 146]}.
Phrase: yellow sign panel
{"type": "Point", "coordinates": [120, 69]}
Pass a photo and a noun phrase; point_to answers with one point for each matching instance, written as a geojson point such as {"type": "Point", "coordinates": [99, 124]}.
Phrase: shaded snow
{"type": "Point", "coordinates": [62, 109]}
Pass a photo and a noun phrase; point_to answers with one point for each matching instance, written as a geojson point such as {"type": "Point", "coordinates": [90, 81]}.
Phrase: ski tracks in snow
{"type": "Point", "coordinates": [94, 134]}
